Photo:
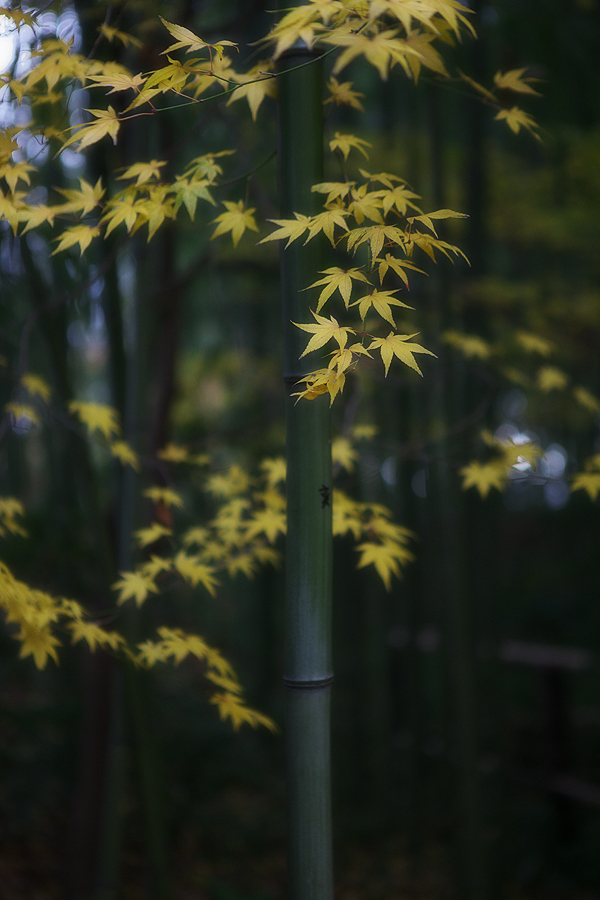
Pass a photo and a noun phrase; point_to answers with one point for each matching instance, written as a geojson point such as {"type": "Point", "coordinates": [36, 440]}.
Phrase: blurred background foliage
{"type": "Point", "coordinates": [509, 583]}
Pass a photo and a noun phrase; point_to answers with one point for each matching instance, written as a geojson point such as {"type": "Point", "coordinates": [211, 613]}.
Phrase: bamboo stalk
{"type": "Point", "coordinates": [308, 672]}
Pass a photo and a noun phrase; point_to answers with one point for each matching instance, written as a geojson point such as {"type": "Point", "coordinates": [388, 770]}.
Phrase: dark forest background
{"type": "Point", "coordinates": [471, 691]}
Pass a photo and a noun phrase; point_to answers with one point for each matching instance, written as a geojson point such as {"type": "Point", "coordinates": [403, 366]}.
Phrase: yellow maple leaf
{"type": "Point", "coordinates": [343, 94]}
{"type": "Point", "coordinates": [236, 220]}
{"type": "Point", "coordinates": [232, 707]}
{"type": "Point", "coordinates": [587, 399]}
{"type": "Point", "coordinates": [118, 81]}
{"type": "Point", "coordinates": [484, 476]}
{"type": "Point", "coordinates": [588, 482]}
{"type": "Point", "coordinates": [288, 228]}
{"type": "Point", "coordinates": [323, 331]}
{"type": "Point", "coordinates": [107, 123]}
{"type": "Point", "coordinates": [147, 536]}
{"type": "Point", "coordinates": [345, 142]}
{"type": "Point", "coordinates": [36, 386]}
{"type": "Point", "coordinates": [268, 521]}
{"type": "Point", "coordinates": [380, 301]}
{"type": "Point", "coordinates": [81, 235]}
{"type": "Point", "coordinates": [549, 378]}
{"type": "Point", "coordinates": [471, 345]}
{"type": "Point", "coordinates": [195, 571]}
{"type": "Point", "coordinates": [10, 510]}
{"type": "Point", "coordinates": [143, 172]}
{"type": "Point", "coordinates": [386, 558]}
{"type": "Point", "coordinates": [275, 470]}
{"type": "Point", "coordinates": [255, 86]}
{"type": "Point", "coordinates": [187, 38]}
{"type": "Point", "coordinates": [516, 119]}
{"type": "Point", "coordinates": [514, 81]}
{"type": "Point", "coordinates": [164, 495]}
{"type": "Point", "coordinates": [135, 586]}
{"type": "Point", "coordinates": [343, 453]}
{"type": "Point", "coordinates": [125, 454]}
{"type": "Point", "coordinates": [97, 417]}
{"type": "Point", "coordinates": [337, 279]}
{"type": "Point", "coordinates": [38, 642]}
{"type": "Point", "coordinates": [398, 345]}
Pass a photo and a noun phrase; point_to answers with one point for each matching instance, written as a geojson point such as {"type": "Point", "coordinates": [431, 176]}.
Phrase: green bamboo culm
{"type": "Point", "coordinates": [308, 671]}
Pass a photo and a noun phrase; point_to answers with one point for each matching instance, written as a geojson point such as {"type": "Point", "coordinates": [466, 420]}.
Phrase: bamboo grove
{"type": "Point", "coordinates": [337, 317]}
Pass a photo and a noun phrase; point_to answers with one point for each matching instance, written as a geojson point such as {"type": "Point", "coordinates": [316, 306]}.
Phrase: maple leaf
{"type": "Point", "coordinates": [321, 382]}
{"type": "Point", "coordinates": [484, 476]}
{"type": "Point", "coordinates": [107, 123]}
{"type": "Point", "coordinates": [228, 484]}
{"type": "Point", "coordinates": [345, 142]}
{"type": "Point", "coordinates": [366, 205]}
{"type": "Point", "coordinates": [112, 34]}
{"type": "Point", "coordinates": [269, 521]}
{"type": "Point", "coordinates": [34, 216]}
{"type": "Point", "coordinates": [236, 220]}
{"type": "Point", "coordinates": [323, 331]}
{"type": "Point", "coordinates": [401, 198]}
{"type": "Point", "coordinates": [301, 23]}
{"type": "Point", "coordinates": [588, 482]}
{"type": "Point", "coordinates": [343, 453]}
{"type": "Point", "coordinates": [549, 378]}
{"type": "Point", "coordinates": [155, 208]}
{"type": "Point", "coordinates": [196, 572]}
{"type": "Point", "coordinates": [81, 235]}
{"type": "Point", "coordinates": [288, 228]}
{"type": "Point", "coordinates": [97, 417]}
{"type": "Point", "coordinates": [516, 119]}
{"type": "Point", "coordinates": [118, 81]}
{"type": "Point", "coordinates": [124, 208]}
{"type": "Point", "coordinates": [514, 81]}
{"type": "Point", "coordinates": [15, 172]}
{"type": "Point", "coordinates": [38, 642]}
{"type": "Point", "coordinates": [187, 38]}
{"type": "Point", "coordinates": [10, 509]}
{"type": "Point", "coordinates": [343, 94]}
{"type": "Point", "coordinates": [174, 453]}
{"type": "Point", "coordinates": [381, 302]}
{"type": "Point", "coordinates": [334, 189]}
{"type": "Point", "coordinates": [398, 345]}
{"type": "Point", "coordinates": [390, 262]}
{"type": "Point", "coordinates": [255, 87]}
{"type": "Point", "coordinates": [384, 556]}
{"type": "Point", "coordinates": [376, 235]}
{"type": "Point", "coordinates": [36, 386]}
{"type": "Point", "coordinates": [143, 172]}
{"type": "Point", "coordinates": [147, 536]}
{"type": "Point", "coordinates": [82, 201]}
{"type": "Point", "coordinates": [426, 219]}
{"type": "Point", "coordinates": [337, 280]}
{"type": "Point", "coordinates": [380, 49]}
{"type": "Point", "coordinates": [275, 470]}
{"type": "Point", "coordinates": [326, 222]}
{"type": "Point", "coordinates": [472, 346]}
{"type": "Point", "coordinates": [533, 343]}
{"type": "Point", "coordinates": [587, 399]}
{"type": "Point", "coordinates": [94, 635]}
{"type": "Point", "coordinates": [135, 586]}
{"type": "Point", "coordinates": [189, 191]}
{"type": "Point", "coordinates": [125, 454]}
{"type": "Point", "coordinates": [232, 707]}
{"type": "Point", "coordinates": [164, 495]}
{"type": "Point", "coordinates": [425, 55]}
